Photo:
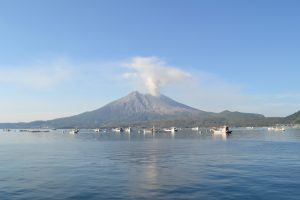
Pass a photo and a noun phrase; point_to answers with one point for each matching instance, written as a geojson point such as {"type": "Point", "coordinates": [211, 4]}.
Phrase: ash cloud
{"type": "Point", "coordinates": [154, 73]}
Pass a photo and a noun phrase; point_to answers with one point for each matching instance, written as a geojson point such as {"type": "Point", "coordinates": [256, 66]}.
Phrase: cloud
{"type": "Point", "coordinates": [196, 88]}
{"type": "Point", "coordinates": [153, 73]}
{"type": "Point", "coordinates": [202, 90]}
{"type": "Point", "coordinates": [211, 92]}
{"type": "Point", "coordinates": [39, 75]}
{"type": "Point", "coordinates": [208, 92]}
{"type": "Point", "coordinates": [104, 82]}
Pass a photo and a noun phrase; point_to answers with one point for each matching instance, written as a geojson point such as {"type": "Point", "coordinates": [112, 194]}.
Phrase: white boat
{"type": "Point", "coordinates": [128, 130]}
{"type": "Point", "coordinates": [118, 130]}
{"type": "Point", "coordinates": [276, 128]}
{"type": "Point", "coordinates": [172, 129]}
{"type": "Point", "coordinates": [97, 130]}
{"type": "Point", "coordinates": [145, 131]}
{"type": "Point", "coordinates": [73, 131]}
{"type": "Point", "coordinates": [151, 130]}
{"type": "Point", "coordinates": [195, 128]}
{"type": "Point", "coordinates": [221, 131]}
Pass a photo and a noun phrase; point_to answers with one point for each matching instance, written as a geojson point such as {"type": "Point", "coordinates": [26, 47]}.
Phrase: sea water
{"type": "Point", "coordinates": [249, 164]}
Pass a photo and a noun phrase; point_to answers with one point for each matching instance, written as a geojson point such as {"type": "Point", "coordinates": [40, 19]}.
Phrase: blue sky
{"type": "Point", "coordinates": [59, 57]}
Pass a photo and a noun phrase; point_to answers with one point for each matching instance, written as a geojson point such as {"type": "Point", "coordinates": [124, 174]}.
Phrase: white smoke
{"type": "Point", "coordinates": [154, 73]}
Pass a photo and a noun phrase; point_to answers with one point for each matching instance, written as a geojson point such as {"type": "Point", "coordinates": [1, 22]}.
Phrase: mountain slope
{"type": "Point", "coordinates": [145, 103]}
{"type": "Point", "coordinates": [293, 119]}
{"type": "Point", "coordinates": [138, 109]}
{"type": "Point", "coordinates": [131, 109]}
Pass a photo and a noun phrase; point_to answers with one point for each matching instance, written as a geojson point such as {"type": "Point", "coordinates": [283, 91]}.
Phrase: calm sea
{"type": "Point", "coordinates": [250, 164]}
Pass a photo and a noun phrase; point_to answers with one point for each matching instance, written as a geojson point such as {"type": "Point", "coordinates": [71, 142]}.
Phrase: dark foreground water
{"type": "Point", "coordinates": [250, 164]}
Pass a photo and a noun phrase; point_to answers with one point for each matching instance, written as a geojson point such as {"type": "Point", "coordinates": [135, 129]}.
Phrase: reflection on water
{"type": "Point", "coordinates": [220, 136]}
{"type": "Point", "coordinates": [248, 164]}
{"type": "Point", "coordinates": [151, 172]}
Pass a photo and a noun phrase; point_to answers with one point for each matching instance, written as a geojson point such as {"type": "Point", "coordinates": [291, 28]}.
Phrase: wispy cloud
{"type": "Point", "coordinates": [38, 75]}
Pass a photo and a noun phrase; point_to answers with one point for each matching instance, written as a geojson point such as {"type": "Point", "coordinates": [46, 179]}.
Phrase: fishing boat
{"type": "Point", "coordinates": [74, 131]}
{"type": "Point", "coordinates": [276, 128]}
{"type": "Point", "coordinates": [224, 130]}
{"type": "Point", "coordinates": [151, 130]}
{"type": "Point", "coordinates": [145, 131]}
{"type": "Point", "coordinates": [172, 129]}
{"type": "Point", "coordinates": [97, 130]}
{"type": "Point", "coordinates": [195, 128]}
{"type": "Point", "coordinates": [118, 130]}
{"type": "Point", "coordinates": [128, 130]}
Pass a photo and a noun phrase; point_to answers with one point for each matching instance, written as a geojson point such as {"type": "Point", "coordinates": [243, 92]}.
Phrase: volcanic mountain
{"type": "Point", "coordinates": [138, 109]}
{"type": "Point", "coordinates": [132, 109]}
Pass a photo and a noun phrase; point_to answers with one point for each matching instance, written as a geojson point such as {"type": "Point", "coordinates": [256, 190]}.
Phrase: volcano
{"type": "Point", "coordinates": [135, 108]}
{"type": "Point", "coordinates": [138, 109]}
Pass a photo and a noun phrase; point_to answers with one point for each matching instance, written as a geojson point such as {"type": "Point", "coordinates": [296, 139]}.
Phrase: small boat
{"type": "Point", "coordinates": [151, 130]}
{"type": "Point", "coordinates": [221, 131]}
{"type": "Point", "coordinates": [195, 128]}
{"type": "Point", "coordinates": [128, 130]}
{"type": "Point", "coordinates": [74, 131]}
{"type": "Point", "coordinates": [118, 130]}
{"type": "Point", "coordinates": [172, 129]}
{"type": "Point", "coordinates": [97, 130]}
{"type": "Point", "coordinates": [145, 131]}
{"type": "Point", "coordinates": [154, 130]}
{"type": "Point", "coordinates": [276, 128]}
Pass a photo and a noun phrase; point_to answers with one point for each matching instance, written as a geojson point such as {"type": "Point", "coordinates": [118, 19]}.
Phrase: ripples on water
{"type": "Point", "coordinates": [250, 164]}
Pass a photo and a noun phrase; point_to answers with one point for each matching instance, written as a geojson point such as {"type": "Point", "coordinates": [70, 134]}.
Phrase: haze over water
{"type": "Point", "coordinates": [249, 164]}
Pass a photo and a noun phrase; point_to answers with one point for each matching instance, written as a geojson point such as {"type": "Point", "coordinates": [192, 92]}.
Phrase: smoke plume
{"type": "Point", "coordinates": [154, 73]}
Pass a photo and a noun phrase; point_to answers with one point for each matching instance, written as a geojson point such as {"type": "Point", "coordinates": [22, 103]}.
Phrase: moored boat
{"type": "Point", "coordinates": [128, 130]}
{"type": "Point", "coordinates": [145, 131]}
{"type": "Point", "coordinates": [276, 128]}
{"type": "Point", "coordinates": [220, 131]}
{"type": "Point", "coordinates": [150, 130]}
{"type": "Point", "coordinates": [118, 130]}
{"type": "Point", "coordinates": [172, 129]}
{"type": "Point", "coordinates": [97, 130]}
{"type": "Point", "coordinates": [195, 128]}
{"type": "Point", "coordinates": [74, 131]}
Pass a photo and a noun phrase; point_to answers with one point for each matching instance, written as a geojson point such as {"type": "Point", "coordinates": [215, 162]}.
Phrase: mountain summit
{"type": "Point", "coordinates": [136, 102]}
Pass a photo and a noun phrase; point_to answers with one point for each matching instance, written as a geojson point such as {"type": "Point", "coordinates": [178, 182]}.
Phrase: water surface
{"type": "Point", "coordinates": [250, 164]}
